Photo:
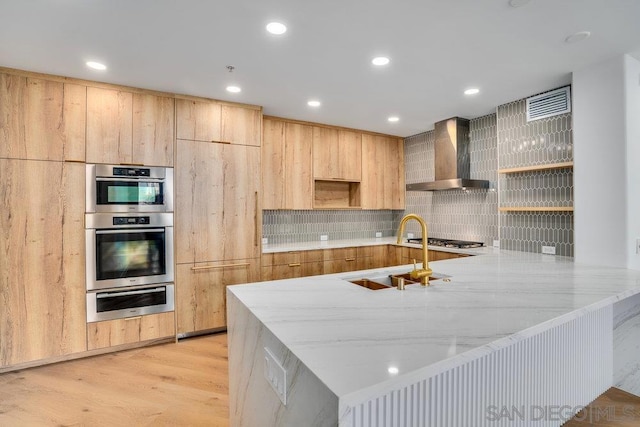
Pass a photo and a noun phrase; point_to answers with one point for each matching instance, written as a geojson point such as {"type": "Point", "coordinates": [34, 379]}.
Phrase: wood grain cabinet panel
{"type": "Point", "coordinates": [369, 257]}
{"type": "Point", "coordinates": [153, 129]}
{"type": "Point", "coordinates": [109, 126]}
{"type": "Point", "coordinates": [42, 287]}
{"type": "Point", "coordinates": [111, 333]}
{"type": "Point", "coordinates": [273, 164]}
{"type": "Point", "coordinates": [41, 119]}
{"type": "Point", "coordinates": [201, 291]}
{"type": "Point", "coordinates": [383, 183]}
{"type": "Point", "coordinates": [198, 120]}
{"type": "Point", "coordinates": [336, 154]}
{"type": "Point", "coordinates": [241, 125]}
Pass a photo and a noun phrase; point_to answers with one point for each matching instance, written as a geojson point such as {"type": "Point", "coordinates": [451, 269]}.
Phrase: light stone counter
{"type": "Point", "coordinates": [391, 356]}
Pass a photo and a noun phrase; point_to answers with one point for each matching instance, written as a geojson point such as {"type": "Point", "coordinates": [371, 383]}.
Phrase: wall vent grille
{"type": "Point", "coordinates": [549, 104]}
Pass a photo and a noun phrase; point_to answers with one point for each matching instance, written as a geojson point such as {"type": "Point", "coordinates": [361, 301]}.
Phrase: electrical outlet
{"type": "Point", "coordinates": [496, 243]}
{"type": "Point", "coordinates": [265, 241]}
{"type": "Point", "coordinates": [409, 235]}
{"type": "Point", "coordinates": [276, 375]}
{"type": "Point", "coordinates": [378, 233]}
{"type": "Point", "coordinates": [549, 250]}
{"type": "Point", "coordinates": [324, 237]}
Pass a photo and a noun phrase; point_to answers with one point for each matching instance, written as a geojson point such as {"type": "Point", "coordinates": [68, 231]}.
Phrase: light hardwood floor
{"type": "Point", "coordinates": [183, 384]}
{"type": "Point", "coordinates": [176, 384]}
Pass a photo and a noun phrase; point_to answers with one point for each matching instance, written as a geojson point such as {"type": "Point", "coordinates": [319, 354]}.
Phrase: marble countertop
{"type": "Point", "coordinates": [354, 339]}
{"type": "Point", "coordinates": [350, 243]}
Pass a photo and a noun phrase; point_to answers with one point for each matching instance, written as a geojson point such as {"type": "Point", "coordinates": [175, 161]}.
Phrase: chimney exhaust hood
{"type": "Point", "coordinates": [452, 161]}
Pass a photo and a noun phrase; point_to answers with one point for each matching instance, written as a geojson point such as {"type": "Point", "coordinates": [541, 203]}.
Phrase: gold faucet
{"type": "Point", "coordinates": [424, 273]}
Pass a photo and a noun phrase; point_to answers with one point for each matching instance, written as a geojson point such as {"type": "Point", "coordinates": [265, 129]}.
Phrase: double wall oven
{"type": "Point", "coordinates": [129, 241]}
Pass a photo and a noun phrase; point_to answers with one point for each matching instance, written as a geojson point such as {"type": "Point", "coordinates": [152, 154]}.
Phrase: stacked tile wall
{"type": "Point", "coordinates": [303, 226]}
{"type": "Point", "coordinates": [521, 144]}
{"type": "Point", "coordinates": [456, 214]}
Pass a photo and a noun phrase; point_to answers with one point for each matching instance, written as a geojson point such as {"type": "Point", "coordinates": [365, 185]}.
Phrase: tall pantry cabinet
{"type": "Point", "coordinates": [218, 220]}
{"type": "Point", "coordinates": [42, 130]}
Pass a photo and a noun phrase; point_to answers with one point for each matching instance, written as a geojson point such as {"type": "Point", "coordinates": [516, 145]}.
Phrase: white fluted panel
{"type": "Point", "coordinates": [568, 365]}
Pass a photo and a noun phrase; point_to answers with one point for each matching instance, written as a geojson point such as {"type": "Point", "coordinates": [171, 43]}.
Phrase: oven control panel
{"type": "Point", "coordinates": [131, 171]}
{"type": "Point", "coordinates": [128, 220]}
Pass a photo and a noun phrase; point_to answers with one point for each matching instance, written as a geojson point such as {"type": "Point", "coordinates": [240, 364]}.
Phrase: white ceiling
{"type": "Point", "coordinates": [437, 48]}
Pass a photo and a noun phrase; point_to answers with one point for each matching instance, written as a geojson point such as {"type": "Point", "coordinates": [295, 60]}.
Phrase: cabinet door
{"type": "Point", "coordinates": [350, 155]}
{"type": "Point", "coordinates": [241, 125]}
{"type": "Point", "coordinates": [153, 129]}
{"type": "Point", "coordinates": [41, 120]}
{"type": "Point", "coordinates": [374, 164]}
{"type": "Point", "coordinates": [198, 120]}
{"type": "Point", "coordinates": [42, 260]}
{"type": "Point", "coordinates": [273, 165]}
{"type": "Point", "coordinates": [199, 189]}
{"type": "Point", "coordinates": [298, 178]}
{"type": "Point", "coordinates": [201, 292]}
{"type": "Point", "coordinates": [130, 330]}
{"type": "Point", "coordinates": [394, 188]}
{"type": "Point", "coordinates": [241, 210]}
{"type": "Point", "coordinates": [325, 153]}
{"type": "Point", "coordinates": [109, 126]}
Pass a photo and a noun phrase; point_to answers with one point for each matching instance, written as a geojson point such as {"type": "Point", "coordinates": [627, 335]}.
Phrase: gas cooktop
{"type": "Point", "coordinates": [448, 243]}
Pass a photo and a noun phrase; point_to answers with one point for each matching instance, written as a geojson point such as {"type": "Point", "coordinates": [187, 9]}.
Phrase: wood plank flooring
{"type": "Point", "coordinates": [176, 384]}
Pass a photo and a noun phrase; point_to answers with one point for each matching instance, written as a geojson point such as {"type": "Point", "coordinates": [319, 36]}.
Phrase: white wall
{"type": "Point", "coordinates": [600, 179]}
{"type": "Point", "coordinates": [632, 127]}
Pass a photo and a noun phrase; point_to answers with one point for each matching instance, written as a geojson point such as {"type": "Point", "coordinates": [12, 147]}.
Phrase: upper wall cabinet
{"type": "Point", "coordinates": [287, 181]}
{"type": "Point", "coordinates": [336, 154]}
{"type": "Point", "coordinates": [123, 127]}
{"type": "Point", "coordinates": [383, 180]}
{"type": "Point", "coordinates": [215, 122]}
{"type": "Point", "coordinates": [41, 120]}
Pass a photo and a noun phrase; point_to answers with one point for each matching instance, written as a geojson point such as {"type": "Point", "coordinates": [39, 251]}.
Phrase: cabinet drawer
{"type": "Point", "coordinates": [131, 330]}
{"type": "Point", "coordinates": [313, 256]}
{"type": "Point", "coordinates": [340, 254]}
{"type": "Point", "coordinates": [282, 258]}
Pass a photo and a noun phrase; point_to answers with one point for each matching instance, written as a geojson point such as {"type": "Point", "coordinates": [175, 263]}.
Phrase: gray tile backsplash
{"type": "Point", "coordinates": [497, 141]}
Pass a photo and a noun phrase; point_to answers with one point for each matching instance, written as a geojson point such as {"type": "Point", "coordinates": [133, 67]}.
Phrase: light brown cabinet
{"type": "Point", "coordinates": [382, 185]}
{"type": "Point", "coordinates": [289, 265]}
{"type": "Point", "coordinates": [131, 330]}
{"type": "Point", "coordinates": [287, 179]}
{"type": "Point", "coordinates": [201, 291]}
{"type": "Point", "coordinates": [125, 127]}
{"type": "Point", "coordinates": [217, 228]}
{"type": "Point", "coordinates": [41, 119]}
{"type": "Point", "coordinates": [42, 257]}
{"type": "Point", "coordinates": [210, 121]}
{"type": "Point", "coordinates": [369, 257]}
{"type": "Point", "coordinates": [337, 154]}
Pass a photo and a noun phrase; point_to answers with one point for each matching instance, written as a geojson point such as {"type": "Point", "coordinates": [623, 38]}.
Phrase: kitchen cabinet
{"type": "Point", "coordinates": [129, 128]}
{"type": "Point", "coordinates": [368, 257]}
{"type": "Point", "coordinates": [211, 121]}
{"type": "Point", "coordinates": [383, 183]}
{"type": "Point", "coordinates": [339, 260]}
{"type": "Point", "coordinates": [42, 280]}
{"type": "Point", "coordinates": [217, 228]}
{"type": "Point", "coordinates": [110, 333]}
{"type": "Point", "coordinates": [201, 292]}
{"type": "Point", "coordinates": [288, 265]}
{"type": "Point", "coordinates": [287, 179]}
{"type": "Point", "coordinates": [41, 119]}
{"type": "Point", "coordinates": [337, 154]}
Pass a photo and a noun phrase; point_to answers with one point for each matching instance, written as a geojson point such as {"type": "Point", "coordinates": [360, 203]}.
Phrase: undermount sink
{"type": "Point", "coordinates": [377, 283]}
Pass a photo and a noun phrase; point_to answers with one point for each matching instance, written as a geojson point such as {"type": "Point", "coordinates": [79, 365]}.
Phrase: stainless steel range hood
{"type": "Point", "coordinates": [452, 162]}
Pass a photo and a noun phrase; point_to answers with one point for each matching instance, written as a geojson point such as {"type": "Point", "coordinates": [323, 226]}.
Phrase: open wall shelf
{"type": "Point", "coordinates": [563, 165]}
{"type": "Point", "coordinates": [536, 209]}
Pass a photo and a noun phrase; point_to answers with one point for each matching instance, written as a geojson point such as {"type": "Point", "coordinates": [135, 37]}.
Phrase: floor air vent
{"type": "Point", "coordinates": [549, 104]}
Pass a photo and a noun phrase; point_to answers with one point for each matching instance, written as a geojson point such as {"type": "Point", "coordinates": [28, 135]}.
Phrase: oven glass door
{"type": "Point", "coordinates": [129, 192]}
{"type": "Point", "coordinates": [130, 253]}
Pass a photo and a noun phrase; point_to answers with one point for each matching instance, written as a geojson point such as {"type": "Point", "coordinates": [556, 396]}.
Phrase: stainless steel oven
{"type": "Point", "coordinates": [129, 302]}
{"type": "Point", "coordinates": [119, 188]}
{"type": "Point", "coordinates": [128, 249]}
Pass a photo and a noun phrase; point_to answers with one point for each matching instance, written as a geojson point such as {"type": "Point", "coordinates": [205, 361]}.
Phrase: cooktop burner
{"type": "Point", "coordinates": [448, 243]}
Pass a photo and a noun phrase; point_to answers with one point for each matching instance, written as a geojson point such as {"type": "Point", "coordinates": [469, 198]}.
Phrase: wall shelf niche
{"type": "Point", "coordinates": [536, 168]}
{"type": "Point", "coordinates": [336, 195]}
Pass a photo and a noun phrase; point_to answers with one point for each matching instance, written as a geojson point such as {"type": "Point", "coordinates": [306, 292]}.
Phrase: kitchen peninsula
{"type": "Point", "coordinates": [509, 329]}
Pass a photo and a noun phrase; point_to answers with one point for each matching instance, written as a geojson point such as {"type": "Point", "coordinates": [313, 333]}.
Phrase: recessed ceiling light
{"type": "Point", "coordinates": [578, 37]}
{"type": "Point", "coordinates": [380, 60]}
{"type": "Point", "coordinates": [393, 370]}
{"type": "Point", "coordinates": [313, 103]}
{"type": "Point", "coordinates": [472, 91]}
{"type": "Point", "coordinates": [517, 3]}
{"type": "Point", "coordinates": [233, 89]}
{"type": "Point", "coordinates": [393, 119]}
{"type": "Point", "coordinates": [276, 28]}
{"type": "Point", "coordinates": [96, 65]}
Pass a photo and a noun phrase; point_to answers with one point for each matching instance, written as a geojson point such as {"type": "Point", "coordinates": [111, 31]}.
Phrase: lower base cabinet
{"type": "Point", "coordinates": [131, 330]}
{"type": "Point", "coordinates": [201, 292]}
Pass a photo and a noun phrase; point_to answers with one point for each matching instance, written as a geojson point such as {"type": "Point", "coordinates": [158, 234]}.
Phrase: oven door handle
{"type": "Point", "coordinates": [142, 178]}
{"type": "Point", "coordinates": [126, 293]}
{"type": "Point", "coordinates": [129, 230]}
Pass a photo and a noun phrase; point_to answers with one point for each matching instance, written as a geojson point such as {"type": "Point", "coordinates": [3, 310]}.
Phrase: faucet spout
{"type": "Point", "coordinates": [424, 273]}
